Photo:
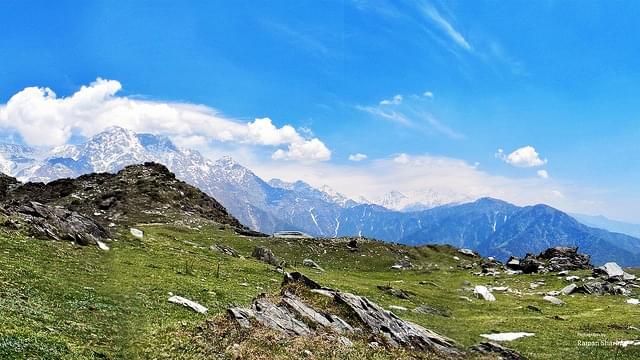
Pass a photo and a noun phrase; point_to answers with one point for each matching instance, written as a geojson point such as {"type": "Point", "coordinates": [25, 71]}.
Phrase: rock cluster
{"type": "Point", "coordinates": [60, 224]}
{"type": "Point", "coordinates": [551, 260]}
{"type": "Point", "coordinates": [609, 279]}
{"type": "Point", "coordinates": [291, 315]}
{"type": "Point", "coordinates": [265, 255]}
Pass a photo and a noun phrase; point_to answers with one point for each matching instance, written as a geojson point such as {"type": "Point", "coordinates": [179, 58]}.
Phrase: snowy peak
{"type": "Point", "coordinates": [421, 200]}
{"type": "Point", "coordinates": [324, 193]}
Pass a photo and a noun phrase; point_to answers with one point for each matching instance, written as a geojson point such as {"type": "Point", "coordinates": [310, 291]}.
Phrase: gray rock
{"type": "Point", "coordinates": [397, 332]}
{"type": "Point", "coordinates": [553, 300]}
{"type": "Point", "coordinates": [265, 255]}
{"type": "Point", "coordinates": [61, 224]}
{"type": "Point", "coordinates": [227, 250]}
{"type": "Point", "coordinates": [404, 263]}
{"type": "Point", "coordinates": [568, 289]}
{"type": "Point", "coordinates": [305, 311]}
{"type": "Point", "coordinates": [482, 292]}
{"type": "Point", "coordinates": [312, 264]}
{"type": "Point", "coordinates": [188, 303]}
{"type": "Point", "coordinates": [490, 348]}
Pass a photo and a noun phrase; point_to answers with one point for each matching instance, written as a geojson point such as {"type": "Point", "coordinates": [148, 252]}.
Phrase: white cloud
{"type": "Point", "coordinates": [428, 94]}
{"type": "Point", "coordinates": [357, 157]}
{"type": "Point", "coordinates": [402, 159]}
{"type": "Point", "coordinates": [396, 100]}
{"type": "Point", "coordinates": [543, 174]}
{"type": "Point", "coordinates": [557, 193]}
{"type": "Point", "coordinates": [43, 119]}
{"type": "Point", "coordinates": [313, 150]}
{"type": "Point", "coordinates": [526, 156]}
{"type": "Point", "coordinates": [446, 26]}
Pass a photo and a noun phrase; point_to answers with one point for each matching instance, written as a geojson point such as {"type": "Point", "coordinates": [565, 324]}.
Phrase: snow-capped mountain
{"type": "Point", "coordinates": [261, 206]}
{"type": "Point", "coordinates": [490, 226]}
{"type": "Point", "coordinates": [421, 200]}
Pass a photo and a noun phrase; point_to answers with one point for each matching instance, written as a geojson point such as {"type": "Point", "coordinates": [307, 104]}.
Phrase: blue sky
{"type": "Point", "coordinates": [559, 76]}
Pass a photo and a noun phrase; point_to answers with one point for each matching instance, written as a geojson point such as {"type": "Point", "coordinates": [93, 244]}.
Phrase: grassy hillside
{"type": "Point", "coordinates": [63, 301]}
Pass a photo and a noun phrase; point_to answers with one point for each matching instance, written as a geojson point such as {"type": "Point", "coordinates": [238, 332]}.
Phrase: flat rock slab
{"type": "Point", "coordinates": [396, 331]}
{"type": "Point", "coordinates": [509, 336]}
{"type": "Point", "coordinates": [188, 303]}
{"type": "Point", "coordinates": [484, 293]}
{"type": "Point", "coordinates": [554, 300]}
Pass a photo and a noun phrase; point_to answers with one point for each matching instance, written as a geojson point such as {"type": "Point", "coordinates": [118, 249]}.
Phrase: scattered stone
{"type": "Point", "coordinates": [227, 250]}
{"type": "Point", "coordinates": [404, 263]}
{"type": "Point", "coordinates": [102, 246]}
{"type": "Point", "coordinates": [265, 255]}
{"type": "Point", "coordinates": [633, 301]}
{"type": "Point", "coordinates": [509, 336]}
{"type": "Point", "coordinates": [482, 292]}
{"type": "Point", "coordinates": [467, 252]}
{"type": "Point", "coordinates": [563, 272]}
{"type": "Point", "coordinates": [552, 299]}
{"type": "Point", "coordinates": [352, 245]}
{"type": "Point", "coordinates": [188, 303]}
{"type": "Point", "coordinates": [500, 288]}
{"type": "Point", "coordinates": [502, 352]}
{"type": "Point", "coordinates": [396, 307]}
{"type": "Point", "coordinates": [394, 292]}
{"type": "Point", "coordinates": [456, 258]}
{"type": "Point", "coordinates": [137, 233]}
{"type": "Point", "coordinates": [568, 289]}
{"type": "Point", "coordinates": [345, 341]}
{"type": "Point", "coordinates": [572, 278]}
{"type": "Point", "coordinates": [312, 264]}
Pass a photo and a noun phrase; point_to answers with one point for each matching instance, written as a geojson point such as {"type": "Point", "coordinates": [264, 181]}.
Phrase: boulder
{"type": "Point", "coordinates": [401, 294]}
{"type": "Point", "coordinates": [568, 289]}
{"type": "Point", "coordinates": [188, 303]}
{"type": "Point", "coordinates": [484, 293]}
{"type": "Point", "coordinates": [137, 233]}
{"type": "Point", "coordinates": [612, 271]}
{"type": "Point", "coordinates": [312, 264]}
{"type": "Point", "coordinates": [552, 299]}
{"type": "Point", "coordinates": [265, 255]}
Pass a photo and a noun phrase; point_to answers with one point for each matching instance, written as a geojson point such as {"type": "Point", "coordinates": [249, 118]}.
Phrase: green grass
{"type": "Point", "coordinates": [58, 300]}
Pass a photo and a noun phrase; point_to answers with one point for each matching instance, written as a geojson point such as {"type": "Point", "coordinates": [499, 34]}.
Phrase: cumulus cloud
{"type": "Point", "coordinates": [543, 174]}
{"type": "Point", "coordinates": [428, 94]}
{"type": "Point", "coordinates": [357, 157]}
{"type": "Point", "coordinates": [396, 100]}
{"type": "Point", "coordinates": [44, 119]}
{"type": "Point", "coordinates": [312, 149]}
{"type": "Point", "coordinates": [526, 156]}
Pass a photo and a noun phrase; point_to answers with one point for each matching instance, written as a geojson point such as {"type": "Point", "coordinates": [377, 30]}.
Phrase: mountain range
{"type": "Point", "coordinates": [490, 226]}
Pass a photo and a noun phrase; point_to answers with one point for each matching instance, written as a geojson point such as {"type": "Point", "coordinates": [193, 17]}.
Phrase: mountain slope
{"type": "Point", "coordinates": [608, 224]}
{"type": "Point", "coordinates": [493, 227]}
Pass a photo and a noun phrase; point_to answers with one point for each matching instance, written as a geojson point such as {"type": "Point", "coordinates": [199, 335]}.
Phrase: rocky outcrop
{"type": "Point", "coordinates": [551, 260]}
{"type": "Point", "coordinates": [291, 315]}
{"type": "Point", "coordinates": [60, 224]}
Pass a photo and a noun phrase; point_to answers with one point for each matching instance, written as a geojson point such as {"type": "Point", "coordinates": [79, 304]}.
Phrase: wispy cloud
{"type": "Point", "coordinates": [445, 26]}
{"type": "Point", "coordinates": [410, 111]}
